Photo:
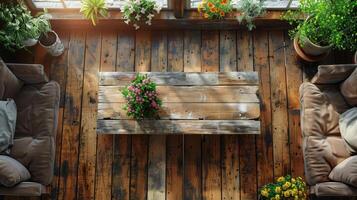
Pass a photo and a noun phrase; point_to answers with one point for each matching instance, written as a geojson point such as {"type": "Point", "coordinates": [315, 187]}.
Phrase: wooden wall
{"type": "Point", "coordinates": [173, 167]}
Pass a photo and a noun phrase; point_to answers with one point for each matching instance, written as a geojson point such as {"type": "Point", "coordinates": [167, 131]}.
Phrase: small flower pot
{"type": "Point", "coordinates": [30, 42]}
{"type": "Point", "coordinates": [52, 43]}
{"type": "Point", "coordinates": [312, 49]}
{"type": "Point", "coordinates": [355, 58]}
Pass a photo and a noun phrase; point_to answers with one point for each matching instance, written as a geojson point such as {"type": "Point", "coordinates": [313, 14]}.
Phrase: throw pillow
{"type": "Point", "coordinates": [345, 172]}
{"type": "Point", "coordinates": [8, 114]}
{"type": "Point", "coordinates": [331, 74]}
{"type": "Point", "coordinates": [349, 89]}
{"type": "Point", "coordinates": [12, 172]}
{"type": "Point", "coordinates": [10, 85]}
{"type": "Point", "coordinates": [348, 129]}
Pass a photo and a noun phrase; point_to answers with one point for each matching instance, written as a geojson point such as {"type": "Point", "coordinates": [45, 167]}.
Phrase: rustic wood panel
{"type": "Point", "coordinates": [189, 172]}
{"type": "Point", "coordinates": [88, 138]}
{"type": "Point", "coordinates": [182, 78]}
{"type": "Point", "coordinates": [198, 111]}
{"type": "Point", "coordinates": [191, 94]}
{"type": "Point", "coordinates": [72, 117]}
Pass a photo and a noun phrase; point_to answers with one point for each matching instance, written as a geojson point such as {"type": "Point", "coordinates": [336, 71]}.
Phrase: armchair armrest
{"type": "Point", "coordinates": [29, 73]}
{"type": "Point", "coordinates": [333, 74]}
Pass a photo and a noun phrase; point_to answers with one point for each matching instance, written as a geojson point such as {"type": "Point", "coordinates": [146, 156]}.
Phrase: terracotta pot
{"type": "Point", "coordinates": [52, 43]}
{"type": "Point", "coordinates": [312, 49]}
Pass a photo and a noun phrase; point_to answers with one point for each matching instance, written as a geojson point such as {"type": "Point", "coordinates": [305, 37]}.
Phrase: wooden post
{"type": "Point", "coordinates": [179, 6]}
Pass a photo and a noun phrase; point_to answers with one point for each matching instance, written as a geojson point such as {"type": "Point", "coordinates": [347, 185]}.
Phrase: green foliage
{"type": "Point", "coordinates": [284, 188]}
{"type": "Point", "coordinates": [142, 98]}
{"type": "Point", "coordinates": [250, 9]}
{"type": "Point", "coordinates": [331, 22]}
{"type": "Point", "coordinates": [136, 11]}
{"type": "Point", "coordinates": [215, 9]}
{"type": "Point", "coordinates": [17, 25]}
{"type": "Point", "coordinates": [92, 9]}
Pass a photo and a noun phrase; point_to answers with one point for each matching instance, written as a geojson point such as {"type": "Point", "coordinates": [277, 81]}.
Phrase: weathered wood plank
{"type": "Point", "coordinates": [210, 51]}
{"type": "Point", "coordinates": [228, 51]}
{"type": "Point", "coordinates": [157, 167]}
{"type": "Point", "coordinates": [182, 78]}
{"type": "Point", "coordinates": [58, 73]}
{"type": "Point", "coordinates": [105, 142]}
{"type": "Point", "coordinates": [126, 52]}
{"type": "Point", "coordinates": [139, 167]}
{"type": "Point", "coordinates": [279, 104]}
{"type": "Point", "coordinates": [142, 51]}
{"type": "Point", "coordinates": [191, 94]}
{"type": "Point", "coordinates": [294, 80]}
{"type": "Point", "coordinates": [71, 122]}
{"type": "Point", "coordinates": [230, 168]}
{"type": "Point", "coordinates": [88, 138]}
{"type": "Point", "coordinates": [175, 51]}
{"type": "Point", "coordinates": [178, 127]}
{"type": "Point", "coordinates": [245, 51]}
{"type": "Point", "coordinates": [198, 111]}
{"type": "Point", "coordinates": [211, 167]}
{"type": "Point", "coordinates": [121, 167]}
{"type": "Point", "coordinates": [248, 173]}
{"type": "Point", "coordinates": [174, 167]}
{"type": "Point", "coordinates": [159, 51]}
{"type": "Point", "coordinates": [192, 167]}
{"type": "Point", "coordinates": [265, 140]}
{"type": "Point", "coordinates": [192, 51]}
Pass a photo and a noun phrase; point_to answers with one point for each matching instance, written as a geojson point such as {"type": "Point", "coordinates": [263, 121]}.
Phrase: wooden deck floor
{"type": "Point", "coordinates": [173, 167]}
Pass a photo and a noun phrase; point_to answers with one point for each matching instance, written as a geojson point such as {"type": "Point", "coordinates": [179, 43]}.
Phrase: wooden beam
{"type": "Point", "coordinates": [179, 8]}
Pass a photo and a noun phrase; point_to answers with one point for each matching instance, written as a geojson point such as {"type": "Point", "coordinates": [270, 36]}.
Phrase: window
{"type": "Point", "coordinates": [273, 4]}
{"type": "Point", "coordinates": [77, 3]}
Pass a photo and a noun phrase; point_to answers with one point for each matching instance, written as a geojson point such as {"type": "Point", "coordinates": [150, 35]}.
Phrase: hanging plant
{"type": "Point", "coordinates": [142, 98]}
{"type": "Point", "coordinates": [250, 9]}
{"type": "Point", "coordinates": [137, 11]}
{"type": "Point", "coordinates": [215, 9]}
{"type": "Point", "coordinates": [93, 9]}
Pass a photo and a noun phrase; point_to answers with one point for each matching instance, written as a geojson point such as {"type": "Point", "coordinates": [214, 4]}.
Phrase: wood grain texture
{"type": "Point", "coordinates": [88, 138]}
{"type": "Point", "coordinates": [159, 51]}
{"type": "Point", "coordinates": [192, 51]}
{"type": "Point", "coordinates": [210, 51]}
{"type": "Point", "coordinates": [108, 52]}
{"type": "Point", "coordinates": [190, 94]}
{"type": "Point", "coordinates": [279, 104]}
{"type": "Point", "coordinates": [230, 168]}
{"type": "Point", "coordinates": [182, 78]}
{"type": "Point", "coordinates": [192, 167]}
{"type": "Point", "coordinates": [264, 141]}
{"type": "Point", "coordinates": [125, 57]}
{"type": "Point", "coordinates": [71, 121]}
{"type": "Point", "coordinates": [157, 167]}
{"type": "Point", "coordinates": [228, 51]}
{"type": "Point", "coordinates": [245, 51]}
{"type": "Point", "coordinates": [142, 51]}
{"type": "Point", "coordinates": [175, 51]}
{"type": "Point", "coordinates": [174, 167]}
{"type": "Point", "coordinates": [139, 168]}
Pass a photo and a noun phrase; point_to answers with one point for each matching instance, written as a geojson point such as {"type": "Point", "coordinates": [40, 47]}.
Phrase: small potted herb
{"type": "Point", "coordinates": [249, 10]}
{"type": "Point", "coordinates": [92, 9]}
{"type": "Point", "coordinates": [215, 9]}
{"type": "Point", "coordinates": [327, 24]}
{"type": "Point", "coordinates": [138, 11]}
{"type": "Point", "coordinates": [142, 99]}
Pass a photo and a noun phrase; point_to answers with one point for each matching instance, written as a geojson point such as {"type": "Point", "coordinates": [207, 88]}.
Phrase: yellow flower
{"type": "Point", "coordinates": [293, 180]}
{"type": "Point", "coordinates": [287, 193]}
{"type": "Point", "coordinates": [205, 15]}
{"type": "Point", "coordinates": [224, 2]}
{"type": "Point", "coordinates": [210, 5]}
{"type": "Point", "coordinates": [278, 190]}
{"type": "Point", "coordinates": [277, 197]}
{"type": "Point", "coordinates": [286, 185]}
{"type": "Point", "coordinates": [264, 193]}
{"type": "Point", "coordinates": [281, 179]}
{"type": "Point", "coordinates": [222, 14]}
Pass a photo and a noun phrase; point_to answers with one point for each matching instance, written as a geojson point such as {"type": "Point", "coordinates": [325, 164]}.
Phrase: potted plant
{"type": "Point", "coordinates": [92, 9]}
{"type": "Point", "coordinates": [18, 27]}
{"type": "Point", "coordinates": [215, 9]}
{"type": "Point", "coordinates": [137, 11]}
{"type": "Point", "coordinates": [327, 24]}
{"type": "Point", "coordinates": [249, 10]}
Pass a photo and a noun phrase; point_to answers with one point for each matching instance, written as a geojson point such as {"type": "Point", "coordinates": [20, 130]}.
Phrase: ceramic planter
{"type": "Point", "coordinates": [312, 49]}
{"type": "Point", "coordinates": [52, 43]}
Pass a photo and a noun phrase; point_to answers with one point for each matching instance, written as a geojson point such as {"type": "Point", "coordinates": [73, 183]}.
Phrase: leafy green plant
{"type": "Point", "coordinates": [92, 9]}
{"type": "Point", "coordinates": [330, 22]}
{"type": "Point", "coordinates": [142, 98]}
{"type": "Point", "coordinates": [284, 188]}
{"type": "Point", "coordinates": [250, 9]}
{"type": "Point", "coordinates": [17, 25]}
{"type": "Point", "coordinates": [215, 9]}
{"type": "Point", "coordinates": [136, 11]}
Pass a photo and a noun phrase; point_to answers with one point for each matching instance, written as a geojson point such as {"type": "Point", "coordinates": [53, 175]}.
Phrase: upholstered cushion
{"type": "Point", "coordinates": [7, 124]}
{"type": "Point", "coordinates": [349, 89]}
{"type": "Point", "coordinates": [29, 73]}
{"type": "Point", "coordinates": [331, 189]}
{"type": "Point", "coordinates": [26, 189]}
{"type": "Point", "coordinates": [9, 84]}
{"type": "Point", "coordinates": [12, 172]}
{"type": "Point", "coordinates": [348, 127]}
{"type": "Point", "coordinates": [34, 144]}
{"type": "Point", "coordinates": [331, 74]}
{"type": "Point", "coordinates": [346, 172]}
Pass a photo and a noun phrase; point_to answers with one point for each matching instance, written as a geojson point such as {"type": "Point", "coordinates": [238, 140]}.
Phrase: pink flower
{"type": "Point", "coordinates": [153, 104]}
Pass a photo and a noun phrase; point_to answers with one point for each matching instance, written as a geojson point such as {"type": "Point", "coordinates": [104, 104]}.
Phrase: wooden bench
{"type": "Point", "coordinates": [193, 103]}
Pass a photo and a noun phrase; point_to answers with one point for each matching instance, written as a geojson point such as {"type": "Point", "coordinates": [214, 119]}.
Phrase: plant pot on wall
{"type": "Point", "coordinates": [30, 42]}
{"type": "Point", "coordinates": [52, 43]}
